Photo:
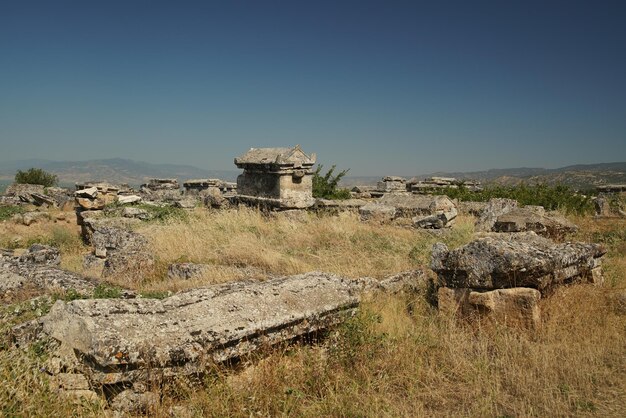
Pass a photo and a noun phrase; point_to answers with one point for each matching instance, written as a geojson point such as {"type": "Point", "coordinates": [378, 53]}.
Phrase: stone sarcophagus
{"type": "Point", "coordinates": [276, 177]}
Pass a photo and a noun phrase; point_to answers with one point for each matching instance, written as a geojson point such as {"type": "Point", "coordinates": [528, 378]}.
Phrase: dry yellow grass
{"type": "Point", "coordinates": [233, 242]}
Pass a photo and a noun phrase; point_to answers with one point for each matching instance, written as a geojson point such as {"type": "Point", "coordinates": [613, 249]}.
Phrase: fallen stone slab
{"type": "Point", "coordinates": [122, 344]}
{"type": "Point", "coordinates": [137, 213]}
{"type": "Point", "coordinates": [125, 200]}
{"type": "Point", "coordinates": [534, 219]}
{"type": "Point", "coordinates": [377, 211]}
{"type": "Point", "coordinates": [516, 260]}
{"type": "Point", "coordinates": [328, 205]}
{"type": "Point", "coordinates": [43, 200]}
{"type": "Point", "coordinates": [518, 307]}
{"type": "Point", "coordinates": [24, 192]}
{"type": "Point", "coordinates": [41, 254]}
{"type": "Point", "coordinates": [419, 206]}
{"type": "Point", "coordinates": [40, 272]}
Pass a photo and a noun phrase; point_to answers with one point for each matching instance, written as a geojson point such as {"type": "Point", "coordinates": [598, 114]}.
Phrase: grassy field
{"type": "Point", "coordinates": [398, 357]}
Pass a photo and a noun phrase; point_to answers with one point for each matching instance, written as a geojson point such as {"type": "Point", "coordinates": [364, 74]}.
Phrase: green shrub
{"type": "Point", "coordinates": [558, 197]}
{"type": "Point", "coordinates": [327, 186]}
{"type": "Point", "coordinates": [102, 291]}
{"type": "Point", "coordinates": [36, 176]}
{"type": "Point", "coordinates": [6, 212]}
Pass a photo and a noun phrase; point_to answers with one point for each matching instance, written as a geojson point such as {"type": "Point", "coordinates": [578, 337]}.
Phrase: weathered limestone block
{"type": "Point", "coordinates": [518, 306]}
{"type": "Point", "coordinates": [92, 220]}
{"type": "Point", "coordinates": [41, 254]}
{"type": "Point", "coordinates": [130, 342]}
{"type": "Point", "coordinates": [123, 250]}
{"type": "Point", "coordinates": [186, 271]}
{"type": "Point", "coordinates": [137, 213]}
{"type": "Point", "coordinates": [491, 212]}
{"type": "Point", "coordinates": [377, 211]}
{"type": "Point", "coordinates": [347, 205]}
{"type": "Point", "coordinates": [43, 200]}
{"type": "Point", "coordinates": [30, 218]}
{"type": "Point", "coordinates": [516, 260]}
{"type": "Point", "coordinates": [187, 202]}
{"type": "Point", "coordinates": [391, 184]}
{"type": "Point", "coordinates": [59, 195]}
{"type": "Point", "coordinates": [128, 199]}
{"type": "Point", "coordinates": [409, 205]}
{"type": "Point", "coordinates": [534, 219]}
{"type": "Point", "coordinates": [36, 268]}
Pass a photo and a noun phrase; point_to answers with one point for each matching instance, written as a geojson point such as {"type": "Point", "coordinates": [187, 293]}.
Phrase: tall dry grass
{"type": "Point", "coordinates": [236, 242]}
{"type": "Point", "coordinates": [397, 357]}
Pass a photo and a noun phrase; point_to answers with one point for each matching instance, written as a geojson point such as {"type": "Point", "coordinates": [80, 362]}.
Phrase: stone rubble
{"type": "Point", "coordinates": [504, 215]}
{"type": "Point", "coordinates": [482, 276]}
{"type": "Point", "coordinates": [38, 267]}
{"type": "Point", "coordinates": [425, 211]}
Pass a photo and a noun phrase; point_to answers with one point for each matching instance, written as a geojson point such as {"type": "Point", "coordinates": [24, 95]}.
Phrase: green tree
{"type": "Point", "coordinates": [36, 176]}
{"type": "Point", "coordinates": [327, 186]}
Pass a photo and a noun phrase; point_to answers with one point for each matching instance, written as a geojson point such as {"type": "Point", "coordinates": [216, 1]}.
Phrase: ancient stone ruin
{"type": "Point", "coordinates": [432, 212]}
{"type": "Point", "coordinates": [276, 178]}
{"type": "Point", "coordinates": [391, 184]}
{"type": "Point", "coordinates": [121, 347]}
{"type": "Point", "coordinates": [502, 277]}
{"type": "Point", "coordinates": [505, 215]}
{"type": "Point", "coordinates": [435, 183]}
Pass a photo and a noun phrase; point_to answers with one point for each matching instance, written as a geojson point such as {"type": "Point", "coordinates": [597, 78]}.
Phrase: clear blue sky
{"type": "Point", "coordinates": [379, 87]}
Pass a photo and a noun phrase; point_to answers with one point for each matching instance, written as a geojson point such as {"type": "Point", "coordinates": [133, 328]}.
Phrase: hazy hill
{"type": "Point", "coordinates": [581, 176]}
{"type": "Point", "coordinates": [118, 170]}
{"type": "Point", "coordinates": [115, 170]}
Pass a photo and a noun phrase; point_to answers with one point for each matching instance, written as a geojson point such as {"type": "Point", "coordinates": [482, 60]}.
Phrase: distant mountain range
{"type": "Point", "coordinates": [118, 170]}
{"type": "Point", "coordinates": [114, 170]}
{"type": "Point", "coordinates": [580, 176]}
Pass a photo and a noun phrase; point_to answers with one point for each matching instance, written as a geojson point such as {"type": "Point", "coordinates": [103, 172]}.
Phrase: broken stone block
{"type": "Point", "coordinates": [410, 206]}
{"type": "Point", "coordinates": [391, 184]}
{"type": "Point", "coordinates": [137, 213]}
{"type": "Point", "coordinates": [491, 212]}
{"type": "Point", "coordinates": [134, 402]}
{"type": "Point", "coordinates": [24, 192]}
{"type": "Point", "coordinates": [377, 211]}
{"type": "Point", "coordinates": [187, 202]}
{"type": "Point", "coordinates": [43, 200]}
{"type": "Point", "coordinates": [186, 271]}
{"type": "Point", "coordinates": [125, 200]}
{"type": "Point", "coordinates": [122, 250]}
{"type": "Point", "coordinates": [41, 254]}
{"type": "Point", "coordinates": [516, 260]}
{"type": "Point", "coordinates": [37, 269]}
{"type": "Point", "coordinates": [518, 306]}
{"type": "Point", "coordinates": [534, 219]}
{"type": "Point", "coordinates": [90, 204]}
{"type": "Point", "coordinates": [30, 218]}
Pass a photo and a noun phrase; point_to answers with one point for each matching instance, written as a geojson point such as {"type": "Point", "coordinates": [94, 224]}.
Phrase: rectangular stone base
{"type": "Point", "coordinates": [514, 307]}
